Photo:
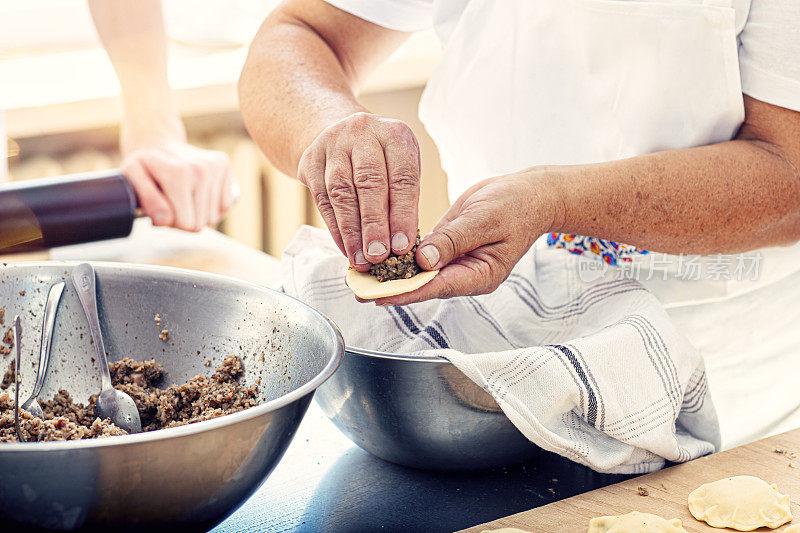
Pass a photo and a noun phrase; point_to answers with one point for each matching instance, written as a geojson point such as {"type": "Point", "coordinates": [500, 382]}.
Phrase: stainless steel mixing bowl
{"type": "Point", "coordinates": [191, 475]}
{"type": "Point", "coordinates": [420, 412]}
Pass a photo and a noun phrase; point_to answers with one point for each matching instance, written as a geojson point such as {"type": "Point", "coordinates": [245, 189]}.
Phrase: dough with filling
{"type": "Point", "coordinates": [635, 522]}
{"type": "Point", "coordinates": [367, 286]}
{"type": "Point", "coordinates": [743, 503]}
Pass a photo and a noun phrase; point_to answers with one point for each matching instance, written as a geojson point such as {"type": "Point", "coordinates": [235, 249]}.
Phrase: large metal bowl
{"type": "Point", "coordinates": [190, 475]}
{"type": "Point", "coordinates": [420, 412]}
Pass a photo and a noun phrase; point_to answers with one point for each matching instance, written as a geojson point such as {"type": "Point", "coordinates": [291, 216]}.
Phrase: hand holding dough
{"type": "Point", "coordinates": [367, 286]}
{"type": "Point", "coordinates": [743, 503]}
{"type": "Point", "coordinates": [635, 522]}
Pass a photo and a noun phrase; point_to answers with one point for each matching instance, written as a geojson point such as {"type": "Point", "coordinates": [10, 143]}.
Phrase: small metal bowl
{"type": "Point", "coordinates": [192, 475]}
{"type": "Point", "coordinates": [420, 412]}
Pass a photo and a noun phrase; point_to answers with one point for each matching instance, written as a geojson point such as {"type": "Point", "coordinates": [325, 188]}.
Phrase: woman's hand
{"type": "Point", "coordinates": [363, 172]}
{"type": "Point", "coordinates": [178, 184]}
{"type": "Point", "coordinates": [482, 236]}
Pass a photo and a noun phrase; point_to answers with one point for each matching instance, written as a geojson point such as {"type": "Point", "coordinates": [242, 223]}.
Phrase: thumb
{"type": "Point", "coordinates": [450, 240]}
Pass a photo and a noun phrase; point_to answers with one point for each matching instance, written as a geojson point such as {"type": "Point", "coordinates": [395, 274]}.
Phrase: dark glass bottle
{"type": "Point", "coordinates": [63, 210]}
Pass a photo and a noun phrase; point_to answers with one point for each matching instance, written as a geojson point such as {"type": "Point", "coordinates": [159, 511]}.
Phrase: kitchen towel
{"type": "Point", "coordinates": [584, 362]}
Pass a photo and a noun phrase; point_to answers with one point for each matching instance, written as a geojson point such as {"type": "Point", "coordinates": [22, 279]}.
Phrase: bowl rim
{"type": "Point", "coordinates": [195, 427]}
{"type": "Point", "coordinates": [417, 358]}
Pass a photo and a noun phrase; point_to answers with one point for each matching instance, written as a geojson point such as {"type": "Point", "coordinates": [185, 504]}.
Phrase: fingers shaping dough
{"type": "Point", "coordinates": [635, 522]}
{"type": "Point", "coordinates": [367, 286]}
{"type": "Point", "coordinates": [743, 503]}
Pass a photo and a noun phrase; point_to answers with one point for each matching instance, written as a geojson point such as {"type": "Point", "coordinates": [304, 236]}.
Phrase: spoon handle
{"type": "Point", "coordinates": [50, 310]}
{"type": "Point", "coordinates": [83, 279]}
{"type": "Point", "coordinates": [17, 368]}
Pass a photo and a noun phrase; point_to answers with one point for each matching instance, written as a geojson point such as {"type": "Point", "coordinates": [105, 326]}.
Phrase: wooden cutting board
{"type": "Point", "coordinates": [669, 489]}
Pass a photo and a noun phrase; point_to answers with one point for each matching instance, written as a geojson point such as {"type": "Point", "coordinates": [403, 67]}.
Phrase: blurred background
{"type": "Point", "coordinates": [63, 112]}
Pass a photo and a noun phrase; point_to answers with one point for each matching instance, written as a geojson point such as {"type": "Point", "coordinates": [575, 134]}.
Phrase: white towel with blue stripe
{"type": "Point", "coordinates": [593, 370]}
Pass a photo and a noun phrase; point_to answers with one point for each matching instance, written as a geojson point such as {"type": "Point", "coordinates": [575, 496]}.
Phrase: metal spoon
{"type": "Point", "coordinates": [17, 366]}
{"type": "Point", "coordinates": [53, 298]}
{"type": "Point", "coordinates": [111, 403]}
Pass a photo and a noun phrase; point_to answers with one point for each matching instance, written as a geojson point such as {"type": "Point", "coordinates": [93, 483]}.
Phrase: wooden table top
{"type": "Point", "coordinates": [668, 489]}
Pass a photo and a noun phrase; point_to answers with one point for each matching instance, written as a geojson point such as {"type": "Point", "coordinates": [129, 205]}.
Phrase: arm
{"type": "Point", "coordinates": [297, 94]}
{"type": "Point", "coordinates": [728, 197]}
{"type": "Point", "coordinates": [176, 183]}
{"type": "Point", "coordinates": [723, 198]}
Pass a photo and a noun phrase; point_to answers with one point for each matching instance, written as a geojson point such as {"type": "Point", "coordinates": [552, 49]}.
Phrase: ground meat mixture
{"type": "Point", "coordinates": [200, 398]}
{"type": "Point", "coordinates": [8, 342]}
{"type": "Point", "coordinates": [58, 428]}
{"type": "Point", "coordinates": [8, 378]}
{"type": "Point", "coordinates": [397, 266]}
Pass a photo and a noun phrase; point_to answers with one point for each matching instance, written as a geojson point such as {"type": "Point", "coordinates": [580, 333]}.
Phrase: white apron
{"type": "Point", "coordinates": [530, 82]}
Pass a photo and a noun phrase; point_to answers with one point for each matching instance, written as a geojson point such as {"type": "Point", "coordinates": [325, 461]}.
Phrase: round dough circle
{"type": "Point", "coordinates": [367, 286]}
{"type": "Point", "coordinates": [743, 503]}
{"type": "Point", "coordinates": [635, 522]}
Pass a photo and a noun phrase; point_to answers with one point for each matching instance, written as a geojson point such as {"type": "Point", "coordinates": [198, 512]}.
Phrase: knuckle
{"type": "Point", "coordinates": [404, 177]}
{"type": "Point", "coordinates": [320, 197]}
{"type": "Point", "coordinates": [373, 219]}
{"type": "Point", "coordinates": [398, 129]}
{"type": "Point", "coordinates": [351, 236]}
{"type": "Point", "coordinates": [369, 177]}
{"type": "Point", "coordinates": [359, 120]}
{"type": "Point", "coordinates": [453, 238]}
{"type": "Point", "coordinates": [341, 193]}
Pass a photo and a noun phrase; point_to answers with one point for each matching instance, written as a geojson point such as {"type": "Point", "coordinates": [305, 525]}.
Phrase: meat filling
{"type": "Point", "coordinates": [397, 266]}
{"type": "Point", "coordinates": [200, 398]}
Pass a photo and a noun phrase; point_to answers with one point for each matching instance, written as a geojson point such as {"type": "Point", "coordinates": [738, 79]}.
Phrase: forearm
{"type": "Point", "coordinates": [134, 37]}
{"type": "Point", "coordinates": [292, 87]}
{"type": "Point", "coordinates": [302, 73]}
{"type": "Point", "coordinates": [724, 198]}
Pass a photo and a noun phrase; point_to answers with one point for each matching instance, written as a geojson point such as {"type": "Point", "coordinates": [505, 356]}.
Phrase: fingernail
{"type": "Point", "coordinates": [430, 253]}
{"type": "Point", "coordinates": [359, 257]}
{"type": "Point", "coordinates": [376, 248]}
{"type": "Point", "coordinates": [399, 241]}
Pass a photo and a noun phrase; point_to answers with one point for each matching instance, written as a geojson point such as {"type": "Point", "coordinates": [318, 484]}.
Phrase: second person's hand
{"type": "Point", "coordinates": [364, 175]}
{"type": "Point", "coordinates": [181, 185]}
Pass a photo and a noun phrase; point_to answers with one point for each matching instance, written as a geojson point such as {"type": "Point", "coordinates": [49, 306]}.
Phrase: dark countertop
{"type": "Point", "coordinates": [325, 483]}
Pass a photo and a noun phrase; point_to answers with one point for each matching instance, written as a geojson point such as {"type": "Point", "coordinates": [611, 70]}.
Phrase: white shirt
{"type": "Point", "coordinates": [769, 37]}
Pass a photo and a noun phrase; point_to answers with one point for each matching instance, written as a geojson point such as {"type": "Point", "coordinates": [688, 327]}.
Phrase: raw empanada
{"type": "Point", "coordinates": [635, 522]}
{"type": "Point", "coordinates": [367, 286]}
{"type": "Point", "coordinates": [744, 503]}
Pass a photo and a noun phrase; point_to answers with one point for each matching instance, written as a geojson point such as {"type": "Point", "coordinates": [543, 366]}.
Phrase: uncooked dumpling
{"type": "Point", "coordinates": [635, 522]}
{"type": "Point", "coordinates": [367, 286]}
{"type": "Point", "coordinates": [744, 503]}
